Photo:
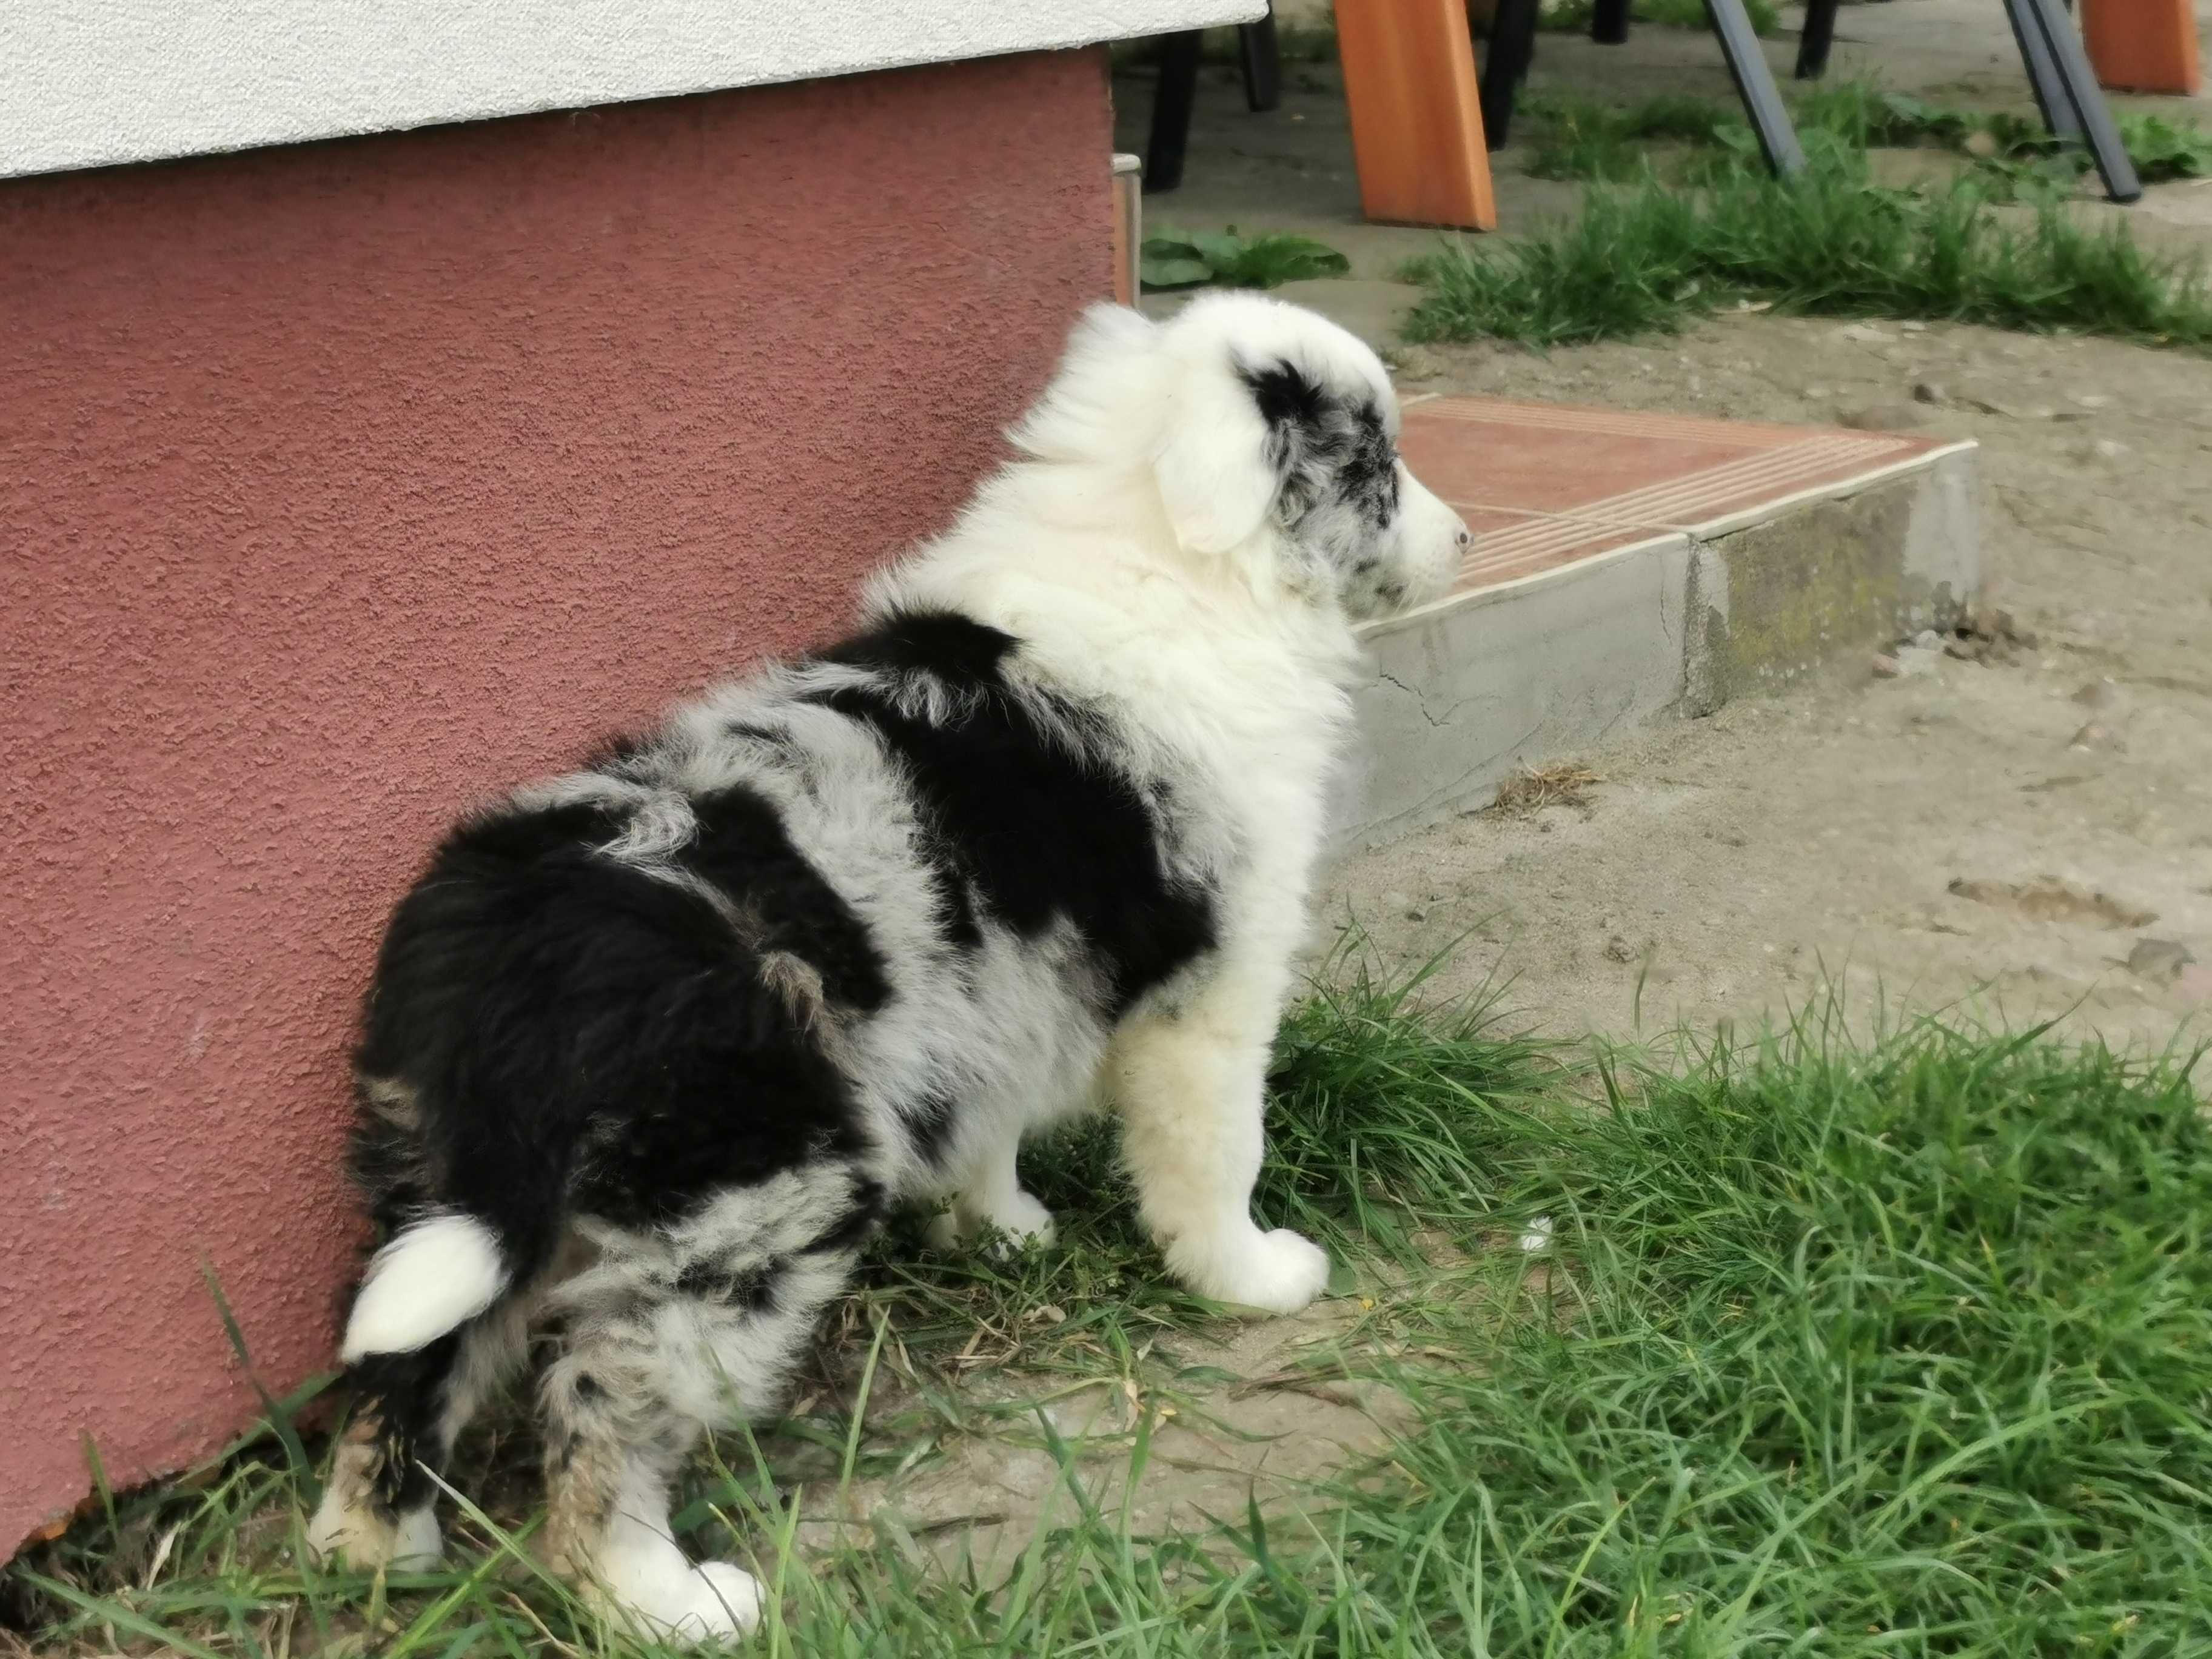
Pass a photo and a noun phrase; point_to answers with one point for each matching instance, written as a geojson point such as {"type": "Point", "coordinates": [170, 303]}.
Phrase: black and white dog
{"type": "Point", "coordinates": [652, 1046]}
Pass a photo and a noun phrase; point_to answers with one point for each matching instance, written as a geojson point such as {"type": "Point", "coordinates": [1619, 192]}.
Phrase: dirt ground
{"type": "Point", "coordinates": [2003, 836]}
{"type": "Point", "coordinates": [1263, 1411]}
{"type": "Point", "coordinates": [1733, 866]}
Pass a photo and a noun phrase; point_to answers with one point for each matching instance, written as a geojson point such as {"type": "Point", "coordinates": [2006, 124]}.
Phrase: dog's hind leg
{"type": "Point", "coordinates": [378, 1507]}
{"type": "Point", "coordinates": [673, 1329]}
{"type": "Point", "coordinates": [1191, 1086]}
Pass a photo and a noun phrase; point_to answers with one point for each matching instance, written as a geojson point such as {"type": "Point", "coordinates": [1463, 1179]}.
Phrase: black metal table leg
{"type": "Point", "coordinates": [2066, 91]}
{"type": "Point", "coordinates": [1755, 84]}
{"type": "Point", "coordinates": [1171, 103]}
{"type": "Point", "coordinates": [1814, 41]}
{"type": "Point", "coordinates": [1505, 65]}
{"type": "Point", "coordinates": [1260, 57]}
{"type": "Point", "coordinates": [1609, 21]}
{"type": "Point", "coordinates": [2042, 71]}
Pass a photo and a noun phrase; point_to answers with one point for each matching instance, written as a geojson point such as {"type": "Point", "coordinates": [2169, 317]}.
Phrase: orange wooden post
{"type": "Point", "coordinates": [2144, 45]}
{"type": "Point", "coordinates": [1416, 112]}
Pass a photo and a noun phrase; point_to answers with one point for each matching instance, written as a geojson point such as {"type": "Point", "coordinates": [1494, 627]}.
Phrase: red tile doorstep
{"type": "Point", "coordinates": [1547, 485]}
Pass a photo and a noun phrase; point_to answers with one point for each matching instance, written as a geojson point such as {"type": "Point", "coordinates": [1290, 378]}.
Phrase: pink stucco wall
{"type": "Point", "coordinates": [341, 485]}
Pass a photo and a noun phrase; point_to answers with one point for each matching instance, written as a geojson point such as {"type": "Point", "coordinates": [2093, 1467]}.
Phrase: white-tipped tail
{"type": "Point", "coordinates": [432, 1277]}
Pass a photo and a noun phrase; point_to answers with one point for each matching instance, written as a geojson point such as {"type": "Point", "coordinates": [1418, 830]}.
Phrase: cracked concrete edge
{"type": "Point", "coordinates": [1466, 692]}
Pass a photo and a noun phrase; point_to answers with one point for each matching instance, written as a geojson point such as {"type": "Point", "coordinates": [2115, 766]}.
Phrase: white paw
{"type": "Point", "coordinates": [1020, 1219]}
{"type": "Point", "coordinates": [365, 1542]}
{"type": "Point", "coordinates": [1276, 1273]}
{"type": "Point", "coordinates": [1023, 1220]}
{"type": "Point", "coordinates": [713, 1602]}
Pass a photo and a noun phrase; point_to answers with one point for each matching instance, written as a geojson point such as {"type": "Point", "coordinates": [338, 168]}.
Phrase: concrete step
{"type": "Point", "coordinates": [1633, 567]}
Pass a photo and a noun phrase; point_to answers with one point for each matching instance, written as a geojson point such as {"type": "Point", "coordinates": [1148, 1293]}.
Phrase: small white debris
{"type": "Point", "coordinates": [1539, 1236]}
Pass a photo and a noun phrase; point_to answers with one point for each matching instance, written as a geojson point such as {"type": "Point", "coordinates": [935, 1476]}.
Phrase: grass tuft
{"type": "Point", "coordinates": [1908, 1352]}
{"type": "Point", "coordinates": [1695, 142]}
{"type": "Point", "coordinates": [1828, 243]}
{"type": "Point", "coordinates": [1573, 17]}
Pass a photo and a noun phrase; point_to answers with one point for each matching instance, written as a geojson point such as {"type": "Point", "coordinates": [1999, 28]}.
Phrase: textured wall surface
{"type": "Point", "coordinates": [87, 82]}
{"type": "Point", "coordinates": [342, 485]}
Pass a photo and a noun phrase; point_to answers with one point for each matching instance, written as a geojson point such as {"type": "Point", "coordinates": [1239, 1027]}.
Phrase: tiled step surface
{"type": "Point", "coordinates": [1628, 567]}
{"type": "Point", "coordinates": [1543, 485]}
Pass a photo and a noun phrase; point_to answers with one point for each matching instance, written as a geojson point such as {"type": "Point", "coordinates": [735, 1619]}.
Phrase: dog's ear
{"type": "Point", "coordinates": [1217, 467]}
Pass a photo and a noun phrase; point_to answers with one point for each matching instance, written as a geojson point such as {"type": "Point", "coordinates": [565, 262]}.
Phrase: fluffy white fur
{"type": "Point", "coordinates": [1136, 555]}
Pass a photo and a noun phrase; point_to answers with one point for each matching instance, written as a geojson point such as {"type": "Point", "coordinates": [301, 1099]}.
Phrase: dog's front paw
{"type": "Point", "coordinates": [658, 1591]}
{"type": "Point", "coordinates": [1276, 1273]}
{"type": "Point", "coordinates": [1019, 1219]}
{"type": "Point", "coordinates": [1023, 1220]}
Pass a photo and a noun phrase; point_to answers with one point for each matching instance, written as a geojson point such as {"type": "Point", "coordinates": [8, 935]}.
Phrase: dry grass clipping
{"type": "Point", "coordinates": [1567, 783]}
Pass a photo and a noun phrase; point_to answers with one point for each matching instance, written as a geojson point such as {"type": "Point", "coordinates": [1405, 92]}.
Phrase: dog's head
{"type": "Point", "coordinates": [1272, 435]}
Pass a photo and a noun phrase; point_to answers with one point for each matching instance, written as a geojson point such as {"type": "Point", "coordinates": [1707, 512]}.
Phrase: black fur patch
{"type": "Point", "coordinates": [1324, 448]}
{"type": "Point", "coordinates": [403, 1394]}
{"type": "Point", "coordinates": [1039, 836]}
{"type": "Point", "coordinates": [928, 1119]}
{"type": "Point", "coordinates": [1367, 472]}
{"type": "Point", "coordinates": [751, 1289]}
{"type": "Point", "coordinates": [583, 1035]}
{"type": "Point", "coordinates": [860, 1217]}
{"type": "Point", "coordinates": [742, 849]}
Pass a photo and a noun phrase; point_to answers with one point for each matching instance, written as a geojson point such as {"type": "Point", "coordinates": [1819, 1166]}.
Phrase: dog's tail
{"type": "Point", "coordinates": [437, 1275]}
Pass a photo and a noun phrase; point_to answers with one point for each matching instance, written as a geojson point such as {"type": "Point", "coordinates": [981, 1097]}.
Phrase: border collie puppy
{"type": "Point", "coordinates": [651, 1048]}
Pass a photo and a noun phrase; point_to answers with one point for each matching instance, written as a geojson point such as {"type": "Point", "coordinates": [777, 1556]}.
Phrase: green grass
{"type": "Point", "coordinates": [1649, 256]}
{"type": "Point", "coordinates": [1573, 17]}
{"type": "Point", "coordinates": [1906, 1350]}
{"type": "Point", "coordinates": [1696, 141]}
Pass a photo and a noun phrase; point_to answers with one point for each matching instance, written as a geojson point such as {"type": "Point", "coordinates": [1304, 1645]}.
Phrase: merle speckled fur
{"type": "Point", "coordinates": [651, 1048]}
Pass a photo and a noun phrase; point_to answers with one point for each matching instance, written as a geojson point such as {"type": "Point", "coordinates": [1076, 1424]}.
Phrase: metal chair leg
{"type": "Point", "coordinates": [1505, 65]}
{"type": "Point", "coordinates": [1813, 43]}
{"type": "Point", "coordinates": [1609, 21]}
{"type": "Point", "coordinates": [2067, 92]}
{"type": "Point", "coordinates": [1755, 84]}
{"type": "Point", "coordinates": [2042, 71]}
{"type": "Point", "coordinates": [1260, 57]}
{"type": "Point", "coordinates": [1171, 103]}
